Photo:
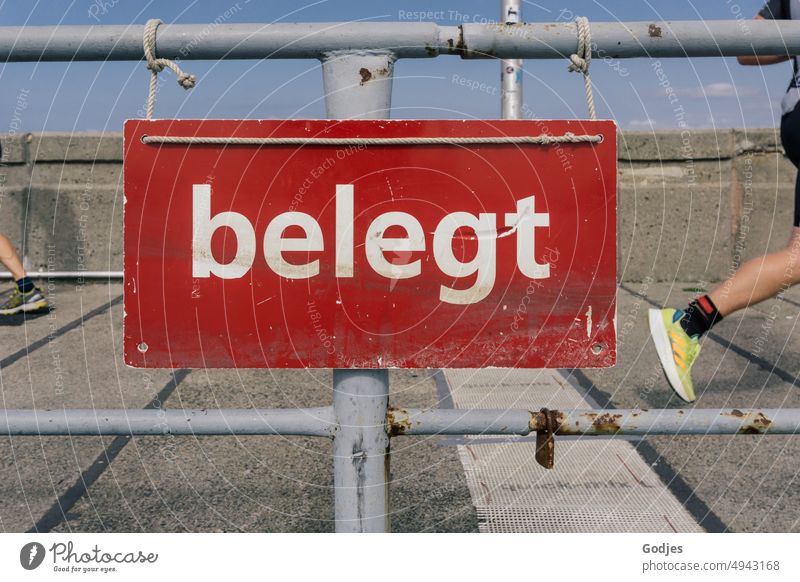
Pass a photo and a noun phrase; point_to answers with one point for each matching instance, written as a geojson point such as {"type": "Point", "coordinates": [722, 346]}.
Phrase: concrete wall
{"type": "Point", "coordinates": [694, 205]}
{"type": "Point", "coordinates": [691, 205]}
{"type": "Point", "coordinates": [61, 200]}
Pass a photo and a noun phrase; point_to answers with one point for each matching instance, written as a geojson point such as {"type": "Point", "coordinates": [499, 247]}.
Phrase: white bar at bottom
{"type": "Point", "coordinates": [431, 556]}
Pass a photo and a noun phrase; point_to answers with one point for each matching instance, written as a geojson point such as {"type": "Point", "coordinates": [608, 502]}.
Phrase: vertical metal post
{"type": "Point", "coordinates": [511, 69]}
{"type": "Point", "coordinates": [359, 85]}
{"type": "Point", "coordinates": [361, 450]}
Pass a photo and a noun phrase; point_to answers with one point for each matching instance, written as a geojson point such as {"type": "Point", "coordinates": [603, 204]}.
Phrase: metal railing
{"type": "Point", "coordinates": [709, 38]}
{"type": "Point", "coordinates": [360, 421]}
{"type": "Point", "coordinates": [94, 275]}
{"type": "Point", "coordinates": [322, 422]}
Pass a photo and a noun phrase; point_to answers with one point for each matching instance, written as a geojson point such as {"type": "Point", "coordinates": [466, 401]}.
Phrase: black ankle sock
{"type": "Point", "coordinates": [701, 315]}
{"type": "Point", "coordinates": [25, 285]}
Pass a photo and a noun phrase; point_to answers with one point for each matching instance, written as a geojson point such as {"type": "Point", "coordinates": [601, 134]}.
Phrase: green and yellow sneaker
{"type": "Point", "coordinates": [33, 300]}
{"type": "Point", "coordinates": [676, 350]}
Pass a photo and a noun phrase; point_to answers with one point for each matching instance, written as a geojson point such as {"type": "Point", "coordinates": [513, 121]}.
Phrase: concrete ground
{"type": "Point", "coordinates": [751, 359]}
{"type": "Point", "coordinates": [72, 358]}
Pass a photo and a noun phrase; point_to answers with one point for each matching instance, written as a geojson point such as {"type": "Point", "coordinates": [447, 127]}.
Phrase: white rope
{"type": "Point", "coordinates": [157, 65]}
{"type": "Point", "coordinates": [582, 58]}
{"type": "Point", "coordinates": [368, 141]}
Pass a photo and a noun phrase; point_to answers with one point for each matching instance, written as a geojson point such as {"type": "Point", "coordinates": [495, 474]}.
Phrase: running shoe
{"type": "Point", "coordinates": [676, 350]}
{"type": "Point", "coordinates": [17, 301]}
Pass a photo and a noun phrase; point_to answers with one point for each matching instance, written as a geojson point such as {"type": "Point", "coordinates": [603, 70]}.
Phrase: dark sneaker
{"type": "Point", "coordinates": [16, 302]}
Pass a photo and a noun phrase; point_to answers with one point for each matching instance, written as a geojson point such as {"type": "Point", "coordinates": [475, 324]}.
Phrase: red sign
{"type": "Point", "coordinates": [347, 255]}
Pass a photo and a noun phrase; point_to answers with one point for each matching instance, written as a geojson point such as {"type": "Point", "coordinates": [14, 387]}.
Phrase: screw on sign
{"type": "Point", "coordinates": [245, 248]}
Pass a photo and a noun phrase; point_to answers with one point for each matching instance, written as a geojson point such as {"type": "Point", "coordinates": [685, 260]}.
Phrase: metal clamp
{"type": "Point", "coordinates": [545, 438]}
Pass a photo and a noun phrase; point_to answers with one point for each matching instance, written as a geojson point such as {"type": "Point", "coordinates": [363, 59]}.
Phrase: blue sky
{"type": "Point", "coordinates": [714, 92]}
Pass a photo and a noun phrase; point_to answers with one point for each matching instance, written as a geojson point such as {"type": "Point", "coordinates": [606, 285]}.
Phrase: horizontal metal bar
{"type": "Point", "coordinates": [595, 422]}
{"type": "Point", "coordinates": [300, 422]}
{"type": "Point", "coordinates": [403, 39]}
{"type": "Point", "coordinates": [686, 38]}
{"type": "Point", "coordinates": [400, 421]}
{"type": "Point", "coordinates": [221, 41]}
{"type": "Point", "coordinates": [68, 275]}
{"type": "Point", "coordinates": [448, 421]}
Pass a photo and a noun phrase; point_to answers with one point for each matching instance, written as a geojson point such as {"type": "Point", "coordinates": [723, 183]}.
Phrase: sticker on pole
{"type": "Point", "coordinates": [370, 244]}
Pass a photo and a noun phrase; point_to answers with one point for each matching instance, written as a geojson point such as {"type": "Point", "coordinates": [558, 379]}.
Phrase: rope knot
{"type": "Point", "coordinates": [580, 60]}
{"type": "Point", "coordinates": [186, 80]}
{"type": "Point", "coordinates": [582, 57]}
{"type": "Point", "coordinates": [577, 64]}
{"type": "Point", "coordinates": [157, 65]}
{"type": "Point", "coordinates": [149, 42]}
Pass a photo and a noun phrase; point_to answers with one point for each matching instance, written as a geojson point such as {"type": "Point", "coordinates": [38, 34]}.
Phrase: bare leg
{"type": "Point", "coordinates": [9, 257]}
{"type": "Point", "coordinates": [760, 278]}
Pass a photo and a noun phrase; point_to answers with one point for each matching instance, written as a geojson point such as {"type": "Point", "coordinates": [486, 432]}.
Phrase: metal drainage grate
{"type": "Point", "coordinates": [596, 486]}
